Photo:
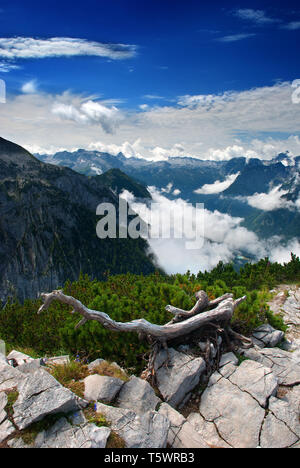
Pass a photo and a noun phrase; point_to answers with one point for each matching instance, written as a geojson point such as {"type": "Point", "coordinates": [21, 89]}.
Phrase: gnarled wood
{"type": "Point", "coordinates": [160, 333]}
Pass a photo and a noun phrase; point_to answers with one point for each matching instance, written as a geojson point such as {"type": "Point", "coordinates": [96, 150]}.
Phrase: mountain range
{"type": "Point", "coordinates": [48, 225]}
{"type": "Point", "coordinates": [256, 190]}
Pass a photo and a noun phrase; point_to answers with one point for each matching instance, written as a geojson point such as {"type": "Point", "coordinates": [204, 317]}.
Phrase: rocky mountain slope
{"type": "Point", "coordinates": [251, 401]}
{"type": "Point", "coordinates": [48, 225]}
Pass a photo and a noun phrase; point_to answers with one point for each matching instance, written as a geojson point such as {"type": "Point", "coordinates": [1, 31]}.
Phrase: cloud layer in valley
{"type": "Point", "coordinates": [223, 238]}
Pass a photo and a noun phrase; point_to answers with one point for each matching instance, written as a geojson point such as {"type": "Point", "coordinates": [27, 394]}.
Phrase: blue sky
{"type": "Point", "coordinates": [170, 49]}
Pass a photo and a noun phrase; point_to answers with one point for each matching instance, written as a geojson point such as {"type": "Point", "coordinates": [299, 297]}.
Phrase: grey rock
{"type": "Point", "coordinates": [29, 367]}
{"type": "Point", "coordinates": [98, 387]}
{"type": "Point", "coordinates": [181, 433]}
{"type": "Point", "coordinates": [255, 379]}
{"type": "Point", "coordinates": [39, 395]}
{"type": "Point", "coordinates": [57, 360]}
{"type": "Point", "coordinates": [138, 395]}
{"type": "Point", "coordinates": [3, 402]}
{"type": "Point", "coordinates": [285, 366]}
{"type": "Point", "coordinates": [149, 430]}
{"type": "Point", "coordinates": [6, 429]}
{"type": "Point", "coordinates": [236, 415]}
{"type": "Point", "coordinates": [9, 377]}
{"type": "Point", "coordinates": [207, 430]}
{"type": "Point", "coordinates": [95, 363]}
{"type": "Point", "coordinates": [275, 434]}
{"type": "Point", "coordinates": [180, 377]}
{"type": "Point", "coordinates": [228, 358]}
{"type": "Point", "coordinates": [77, 418]}
{"type": "Point", "coordinates": [267, 336]}
{"type": "Point", "coordinates": [286, 413]}
{"type": "Point", "coordinates": [63, 435]}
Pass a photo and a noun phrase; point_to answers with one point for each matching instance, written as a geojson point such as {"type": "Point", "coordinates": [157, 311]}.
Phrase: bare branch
{"type": "Point", "coordinates": [162, 333]}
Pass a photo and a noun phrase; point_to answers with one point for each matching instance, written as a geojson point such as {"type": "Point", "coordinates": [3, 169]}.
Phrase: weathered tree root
{"type": "Point", "coordinates": [185, 323]}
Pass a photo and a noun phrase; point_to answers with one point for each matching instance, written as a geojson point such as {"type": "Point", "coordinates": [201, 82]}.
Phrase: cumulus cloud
{"type": "Point", "coordinates": [31, 48]}
{"type": "Point", "coordinates": [90, 112]}
{"type": "Point", "coordinates": [217, 186]}
{"type": "Point", "coordinates": [222, 237]}
{"type": "Point", "coordinates": [259, 122]}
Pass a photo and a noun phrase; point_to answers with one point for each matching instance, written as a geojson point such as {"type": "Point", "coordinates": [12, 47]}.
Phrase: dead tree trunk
{"type": "Point", "coordinates": [184, 323]}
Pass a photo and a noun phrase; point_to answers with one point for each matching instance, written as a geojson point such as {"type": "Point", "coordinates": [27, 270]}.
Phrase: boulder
{"type": "Point", "coordinates": [138, 395]}
{"type": "Point", "coordinates": [181, 433]}
{"type": "Point", "coordinates": [236, 415]}
{"type": "Point", "coordinates": [267, 336]}
{"type": "Point", "coordinates": [255, 379]}
{"type": "Point", "coordinates": [39, 395]}
{"type": "Point", "coordinates": [101, 388]}
{"type": "Point", "coordinates": [63, 435]}
{"type": "Point", "coordinates": [148, 430]}
{"type": "Point", "coordinates": [179, 376]}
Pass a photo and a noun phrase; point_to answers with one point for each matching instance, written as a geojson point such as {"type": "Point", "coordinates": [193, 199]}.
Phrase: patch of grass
{"type": "Point", "coordinates": [115, 441]}
{"type": "Point", "coordinates": [93, 417]}
{"type": "Point", "coordinates": [110, 370]}
{"type": "Point", "coordinates": [241, 358]}
{"type": "Point", "coordinates": [12, 396]}
{"type": "Point", "coordinates": [67, 374]}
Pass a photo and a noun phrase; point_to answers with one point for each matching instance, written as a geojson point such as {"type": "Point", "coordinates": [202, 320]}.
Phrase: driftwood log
{"type": "Point", "coordinates": [215, 314]}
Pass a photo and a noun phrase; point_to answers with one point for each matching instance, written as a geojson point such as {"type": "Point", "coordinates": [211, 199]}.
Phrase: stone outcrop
{"type": "Point", "coordinates": [178, 375]}
{"type": "Point", "coordinates": [101, 388]}
{"type": "Point", "coordinates": [138, 395]}
{"type": "Point", "coordinates": [148, 430]}
{"type": "Point", "coordinates": [40, 395]}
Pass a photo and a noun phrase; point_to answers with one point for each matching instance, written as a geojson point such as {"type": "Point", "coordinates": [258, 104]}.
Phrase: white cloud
{"type": "Point", "coordinates": [231, 124]}
{"type": "Point", "coordinates": [257, 16]}
{"type": "Point", "coordinates": [30, 87]}
{"type": "Point", "coordinates": [273, 200]}
{"type": "Point", "coordinates": [217, 186]}
{"type": "Point", "coordinates": [128, 149]}
{"type": "Point", "coordinates": [235, 37]}
{"type": "Point", "coordinates": [28, 47]}
{"type": "Point", "coordinates": [90, 112]}
{"type": "Point", "coordinates": [292, 26]}
{"type": "Point", "coordinates": [223, 238]}
{"type": "Point", "coordinates": [152, 96]}
{"type": "Point", "coordinates": [6, 67]}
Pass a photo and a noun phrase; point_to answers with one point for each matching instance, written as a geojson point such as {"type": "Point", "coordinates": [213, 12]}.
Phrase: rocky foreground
{"type": "Point", "coordinates": [253, 400]}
